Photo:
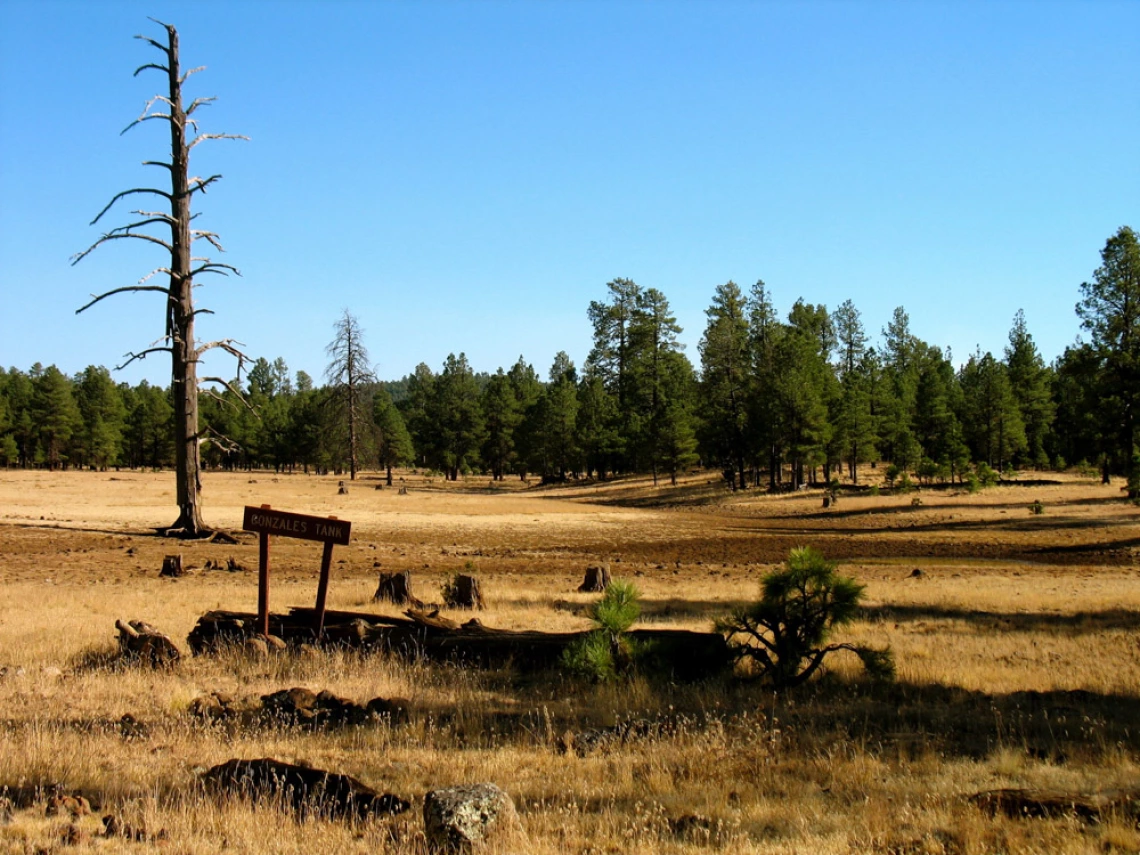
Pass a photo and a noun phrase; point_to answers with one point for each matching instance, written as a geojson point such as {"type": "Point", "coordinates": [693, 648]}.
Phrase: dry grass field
{"type": "Point", "coordinates": [1017, 645]}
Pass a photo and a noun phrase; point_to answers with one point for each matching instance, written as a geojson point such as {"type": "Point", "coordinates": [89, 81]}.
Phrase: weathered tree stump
{"type": "Point", "coordinates": [597, 578]}
{"type": "Point", "coordinates": [142, 643]}
{"type": "Point", "coordinates": [403, 491]}
{"type": "Point", "coordinates": [464, 592]}
{"type": "Point", "coordinates": [172, 566]}
{"type": "Point", "coordinates": [343, 490]}
{"type": "Point", "coordinates": [396, 588]}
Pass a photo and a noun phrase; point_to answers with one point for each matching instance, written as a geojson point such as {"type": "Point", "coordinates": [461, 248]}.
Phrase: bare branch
{"type": "Point", "coordinates": [229, 345]}
{"type": "Point", "coordinates": [228, 385]}
{"type": "Point", "coordinates": [145, 118]}
{"type": "Point", "coordinates": [210, 237]}
{"type": "Point", "coordinates": [197, 312]}
{"type": "Point", "coordinates": [149, 40]}
{"type": "Point", "coordinates": [154, 65]}
{"type": "Point", "coordinates": [197, 183]}
{"type": "Point", "coordinates": [199, 102]}
{"type": "Point", "coordinates": [75, 259]}
{"type": "Point", "coordinates": [96, 298]}
{"type": "Point", "coordinates": [129, 228]}
{"type": "Point", "coordinates": [132, 357]}
{"type": "Point", "coordinates": [182, 79]}
{"type": "Point", "coordinates": [216, 267]}
{"type": "Point", "coordinates": [156, 271]}
{"type": "Point", "coordinates": [169, 166]}
{"type": "Point", "coordinates": [119, 196]}
{"type": "Point", "coordinates": [220, 439]}
{"type": "Point", "coordinates": [152, 216]}
{"type": "Point", "coordinates": [204, 137]}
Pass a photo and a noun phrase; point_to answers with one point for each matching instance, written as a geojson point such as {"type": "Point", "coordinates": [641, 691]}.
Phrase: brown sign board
{"type": "Point", "coordinates": [285, 524]}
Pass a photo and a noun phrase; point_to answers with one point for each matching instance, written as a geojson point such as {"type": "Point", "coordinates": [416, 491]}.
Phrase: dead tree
{"type": "Point", "coordinates": [348, 374]}
{"type": "Point", "coordinates": [178, 338]}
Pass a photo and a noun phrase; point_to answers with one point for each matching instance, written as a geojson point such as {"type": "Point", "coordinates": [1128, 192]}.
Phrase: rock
{"type": "Point", "coordinates": [309, 791]}
{"type": "Point", "coordinates": [464, 819]}
{"type": "Point", "coordinates": [72, 805]}
{"type": "Point", "coordinates": [256, 647]}
{"type": "Point", "coordinates": [305, 708]}
{"type": "Point", "coordinates": [115, 827]}
{"type": "Point", "coordinates": [73, 835]}
{"type": "Point", "coordinates": [597, 578]}
{"type": "Point", "coordinates": [393, 710]}
{"type": "Point", "coordinates": [140, 643]}
{"type": "Point", "coordinates": [1042, 804]}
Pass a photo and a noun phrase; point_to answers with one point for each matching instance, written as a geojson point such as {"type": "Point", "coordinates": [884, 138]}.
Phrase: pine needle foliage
{"type": "Point", "coordinates": [785, 632]}
{"type": "Point", "coordinates": [606, 653]}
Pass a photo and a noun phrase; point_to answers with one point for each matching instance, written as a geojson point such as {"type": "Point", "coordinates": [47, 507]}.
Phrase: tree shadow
{"type": "Point", "coordinates": [932, 718]}
{"type": "Point", "coordinates": [1077, 623]}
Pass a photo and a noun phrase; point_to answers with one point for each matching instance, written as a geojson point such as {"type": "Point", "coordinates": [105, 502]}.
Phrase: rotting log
{"type": "Point", "coordinates": [685, 654]}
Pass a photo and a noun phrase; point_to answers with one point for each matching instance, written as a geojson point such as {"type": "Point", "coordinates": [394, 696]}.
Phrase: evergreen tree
{"type": "Point", "coordinates": [394, 441]}
{"type": "Point", "coordinates": [1031, 382]}
{"type": "Point", "coordinates": [854, 421]}
{"type": "Point", "coordinates": [502, 416]}
{"type": "Point", "coordinates": [725, 380]}
{"type": "Point", "coordinates": [527, 389]}
{"type": "Point", "coordinates": [56, 417]}
{"type": "Point", "coordinates": [598, 438]}
{"type": "Point", "coordinates": [899, 392]}
{"type": "Point", "coordinates": [993, 421]}
{"type": "Point", "coordinates": [765, 414]}
{"type": "Point", "coordinates": [102, 415]}
{"type": "Point", "coordinates": [1110, 310]}
{"type": "Point", "coordinates": [454, 411]}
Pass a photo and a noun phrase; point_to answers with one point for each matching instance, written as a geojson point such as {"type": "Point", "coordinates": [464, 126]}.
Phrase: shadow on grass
{"type": "Point", "coordinates": [1076, 623]}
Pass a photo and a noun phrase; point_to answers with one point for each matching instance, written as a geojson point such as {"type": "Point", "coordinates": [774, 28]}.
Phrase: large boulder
{"type": "Point", "coordinates": [461, 820]}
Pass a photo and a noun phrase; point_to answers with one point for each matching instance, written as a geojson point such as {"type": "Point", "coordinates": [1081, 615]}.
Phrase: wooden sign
{"type": "Point", "coordinates": [266, 521]}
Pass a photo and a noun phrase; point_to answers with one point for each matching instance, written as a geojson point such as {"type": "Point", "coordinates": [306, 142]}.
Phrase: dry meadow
{"type": "Point", "coordinates": [1016, 635]}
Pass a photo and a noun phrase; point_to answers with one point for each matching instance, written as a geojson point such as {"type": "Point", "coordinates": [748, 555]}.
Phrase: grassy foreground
{"type": "Point", "coordinates": [1012, 672]}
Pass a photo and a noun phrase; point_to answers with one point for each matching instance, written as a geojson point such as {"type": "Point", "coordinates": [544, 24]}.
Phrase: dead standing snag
{"type": "Point", "coordinates": [178, 339]}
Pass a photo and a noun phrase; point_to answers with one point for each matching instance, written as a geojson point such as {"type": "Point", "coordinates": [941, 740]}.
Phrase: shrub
{"type": "Point", "coordinates": [1037, 508]}
{"type": "Point", "coordinates": [606, 653]}
{"type": "Point", "coordinates": [987, 477]}
{"type": "Point", "coordinates": [874, 491]}
{"type": "Point", "coordinates": [905, 484]}
{"type": "Point", "coordinates": [785, 633]}
{"type": "Point", "coordinates": [891, 474]}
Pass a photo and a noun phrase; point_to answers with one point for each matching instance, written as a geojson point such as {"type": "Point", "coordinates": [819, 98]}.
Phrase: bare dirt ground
{"type": "Point", "coordinates": [1008, 627]}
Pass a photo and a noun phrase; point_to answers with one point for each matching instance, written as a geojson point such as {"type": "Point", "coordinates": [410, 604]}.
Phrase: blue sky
{"type": "Point", "coordinates": [467, 176]}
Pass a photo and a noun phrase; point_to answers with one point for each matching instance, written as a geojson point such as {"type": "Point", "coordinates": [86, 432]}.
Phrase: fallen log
{"type": "Point", "coordinates": [683, 654]}
{"type": "Point", "coordinates": [142, 643]}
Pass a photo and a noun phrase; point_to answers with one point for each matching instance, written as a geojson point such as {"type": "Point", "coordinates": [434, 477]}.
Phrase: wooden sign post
{"type": "Point", "coordinates": [267, 521]}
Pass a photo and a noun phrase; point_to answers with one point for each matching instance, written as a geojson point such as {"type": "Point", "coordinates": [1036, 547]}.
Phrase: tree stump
{"type": "Point", "coordinates": [343, 490]}
{"type": "Point", "coordinates": [140, 642]}
{"type": "Point", "coordinates": [396, 588]}
{"type": "Point", "coordinates": [464, 592]}
{"type": "Point", "coordinates": [172, 566]}
{"type": "Point", "coordinates": [597, 578]}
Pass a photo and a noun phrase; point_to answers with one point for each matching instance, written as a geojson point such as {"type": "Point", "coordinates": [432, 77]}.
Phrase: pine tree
{"type": "Point", "coordinates": [1031, 382]}
{"type": "Point", "coordinates": [1110, 310]}
{"type": "Point", "coordinates": [56, 417]}
{"type": "Point", "coordinates": [725, 381]}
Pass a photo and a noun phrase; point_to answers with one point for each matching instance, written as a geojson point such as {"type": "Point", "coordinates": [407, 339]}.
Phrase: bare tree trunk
{"type": "Point", "coordinates": [184, 361]}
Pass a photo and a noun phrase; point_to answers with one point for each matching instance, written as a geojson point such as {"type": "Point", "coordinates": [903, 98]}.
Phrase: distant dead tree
{"type": "Point", "coordinates": [184, 266]}
{"type": "Point", "coordinates": [349, 373]}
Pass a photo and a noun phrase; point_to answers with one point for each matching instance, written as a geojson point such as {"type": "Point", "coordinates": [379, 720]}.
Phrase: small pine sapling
{"type": "Point", "coordinates": [785, 633]}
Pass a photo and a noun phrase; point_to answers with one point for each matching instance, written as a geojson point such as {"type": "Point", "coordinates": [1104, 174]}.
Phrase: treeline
{"type": "Point", "coordinates": [776, 401]}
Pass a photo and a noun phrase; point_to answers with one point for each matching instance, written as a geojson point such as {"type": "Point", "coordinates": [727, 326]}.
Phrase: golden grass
{"type": "Point", "coordinates": [1012, 672]}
